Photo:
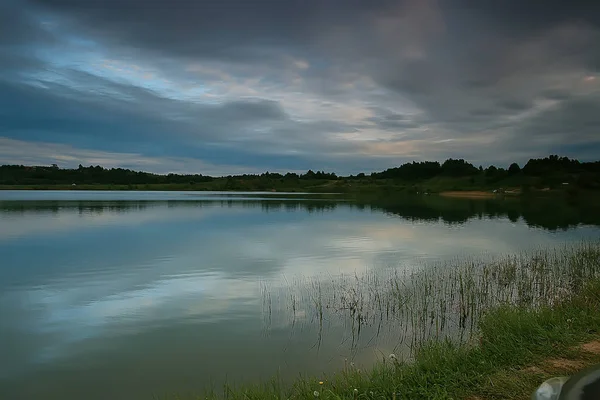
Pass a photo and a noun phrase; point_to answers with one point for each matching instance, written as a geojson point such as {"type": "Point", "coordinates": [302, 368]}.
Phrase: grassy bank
{"type": "Point", "coordinates": [461, 187]}
{"type": "Point", "coordinates": [496, 366]}
{"type": "Point", "coordinates": [478, 330]}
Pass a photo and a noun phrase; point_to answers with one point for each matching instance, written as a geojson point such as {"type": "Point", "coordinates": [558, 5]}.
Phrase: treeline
{"type": "Point", "coordinates": [429, 169]}
{"type": "Point", "coordinates": [460, 168]}
{"type": "Point", "coordinates": [551, 170]}
{"type": "Point", "coordinates": [53, 175]}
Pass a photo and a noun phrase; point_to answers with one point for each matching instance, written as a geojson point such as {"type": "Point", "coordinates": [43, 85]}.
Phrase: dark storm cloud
{"type": "Point", "coordinates": [230, 29]}
{"type": "Point", "coordinates": [556, 94]}
{"type": "Point", "coordinates": [94, 113]}
{"type": "Point", "coordinates": [64, 115]}
{"type": "Point", "coordinates": [389, 120]}
{"type": "Point", "coordinates": [17, 25]}
{"type": "Point", "coordinates": [302, 84]}
{"type": "Point", "coordinates": [18, 31]}
{"type": "Point", "coordinates": [570, 122]}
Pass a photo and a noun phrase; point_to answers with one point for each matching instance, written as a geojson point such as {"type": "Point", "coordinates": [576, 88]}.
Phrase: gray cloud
{"type": "Point", "coordinates": [389, 120]}
{"type": "Point", "coordinates": [287, 85]}
{"type": "Point", "coordinates": [17, 26]}
{"type": "Point", "coordinates": [569, 122]}
{"type": "Point", "coordinates": [231, 29]}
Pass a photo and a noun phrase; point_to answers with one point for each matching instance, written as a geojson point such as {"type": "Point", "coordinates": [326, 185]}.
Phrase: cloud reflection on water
{"type": "Point", "coordinates": [110, 276]}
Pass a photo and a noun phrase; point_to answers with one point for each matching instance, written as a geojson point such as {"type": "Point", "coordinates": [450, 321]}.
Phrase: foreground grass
{"type": "Point", "coordinates": [511, 339]}
{"type": "Point", "coordinates": [515, 346]}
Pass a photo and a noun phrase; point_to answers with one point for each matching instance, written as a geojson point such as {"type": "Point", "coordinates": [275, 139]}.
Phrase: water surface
{"type": "Point", "coordinates": [126, 295]}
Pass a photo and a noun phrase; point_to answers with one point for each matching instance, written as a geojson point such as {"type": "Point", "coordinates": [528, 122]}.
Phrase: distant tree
{"type": "Point", "coordinates": [411, 171]}
{"type": "Point", "coordinates": [514, 169]}
{"type": "Point", "coordinates": [491, 171]}
{"type": "Point", "coordinates": [308, 175]}
{"type": "Point", "coordinates": [460, 167]}
{"type": "Point", "coordinates": [551, 165]}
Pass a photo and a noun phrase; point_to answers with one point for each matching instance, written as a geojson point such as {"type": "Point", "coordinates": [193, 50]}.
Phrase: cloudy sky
{"type": "Point", "coordinates": [235, 86]}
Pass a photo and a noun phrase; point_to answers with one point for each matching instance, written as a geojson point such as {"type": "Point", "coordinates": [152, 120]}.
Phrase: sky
{"type": "Point", "coordinates": [224, 87]}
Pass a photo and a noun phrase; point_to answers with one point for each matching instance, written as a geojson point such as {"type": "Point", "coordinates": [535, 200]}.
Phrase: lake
{"type": "Point", "coordinates": [130, 295]}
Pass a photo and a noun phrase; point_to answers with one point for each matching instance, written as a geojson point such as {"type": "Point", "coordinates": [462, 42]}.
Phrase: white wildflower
{"type": "Point", "coordinates": [316, 393]}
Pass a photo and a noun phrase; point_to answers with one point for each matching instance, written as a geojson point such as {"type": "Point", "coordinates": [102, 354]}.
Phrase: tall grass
{"type": "Point", "coordinates": [442, 301]}
{"type": "Point", "coordinates": [464, 324]}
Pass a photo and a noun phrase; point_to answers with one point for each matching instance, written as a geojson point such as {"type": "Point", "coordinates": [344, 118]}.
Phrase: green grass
{"type": "Point", "coordinates": [341, 185]}
{"type": "Point", "coordinates": [510, 337]}
{"type": "Point", "coordinates": [518, 311]}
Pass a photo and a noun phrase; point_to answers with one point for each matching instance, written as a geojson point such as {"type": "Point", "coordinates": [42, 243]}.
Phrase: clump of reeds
{"type": "Point", "coordinates": [444, 301]}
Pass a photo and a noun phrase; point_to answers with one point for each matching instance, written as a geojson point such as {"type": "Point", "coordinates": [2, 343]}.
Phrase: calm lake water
{"type": "Point", "coordinates": [130, 295]}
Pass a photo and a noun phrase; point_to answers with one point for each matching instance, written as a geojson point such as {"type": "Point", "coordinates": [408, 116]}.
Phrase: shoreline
{"type": "Point", "coordinates": [479, 194]}
{"type": "Point", "coordinates": [469, 194]}
{"type": "Point", "coordinates": [515, 348]}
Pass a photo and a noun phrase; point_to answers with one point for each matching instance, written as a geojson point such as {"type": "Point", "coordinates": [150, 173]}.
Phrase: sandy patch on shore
{"type": "Point", "coordinates": [469, 194]}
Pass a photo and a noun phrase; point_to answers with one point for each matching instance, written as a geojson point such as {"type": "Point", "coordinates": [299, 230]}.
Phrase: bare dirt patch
{"type": "Point", "coordinates": [528, 378]}
{"type": "Point", "coordinates": [566, 364]}
{"type": "Point", "coordinates": [591, 347]}
{"type": "Point", "coordinates": [534, 370]}
{"type": "Point", "coordinates": [469, 194]}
